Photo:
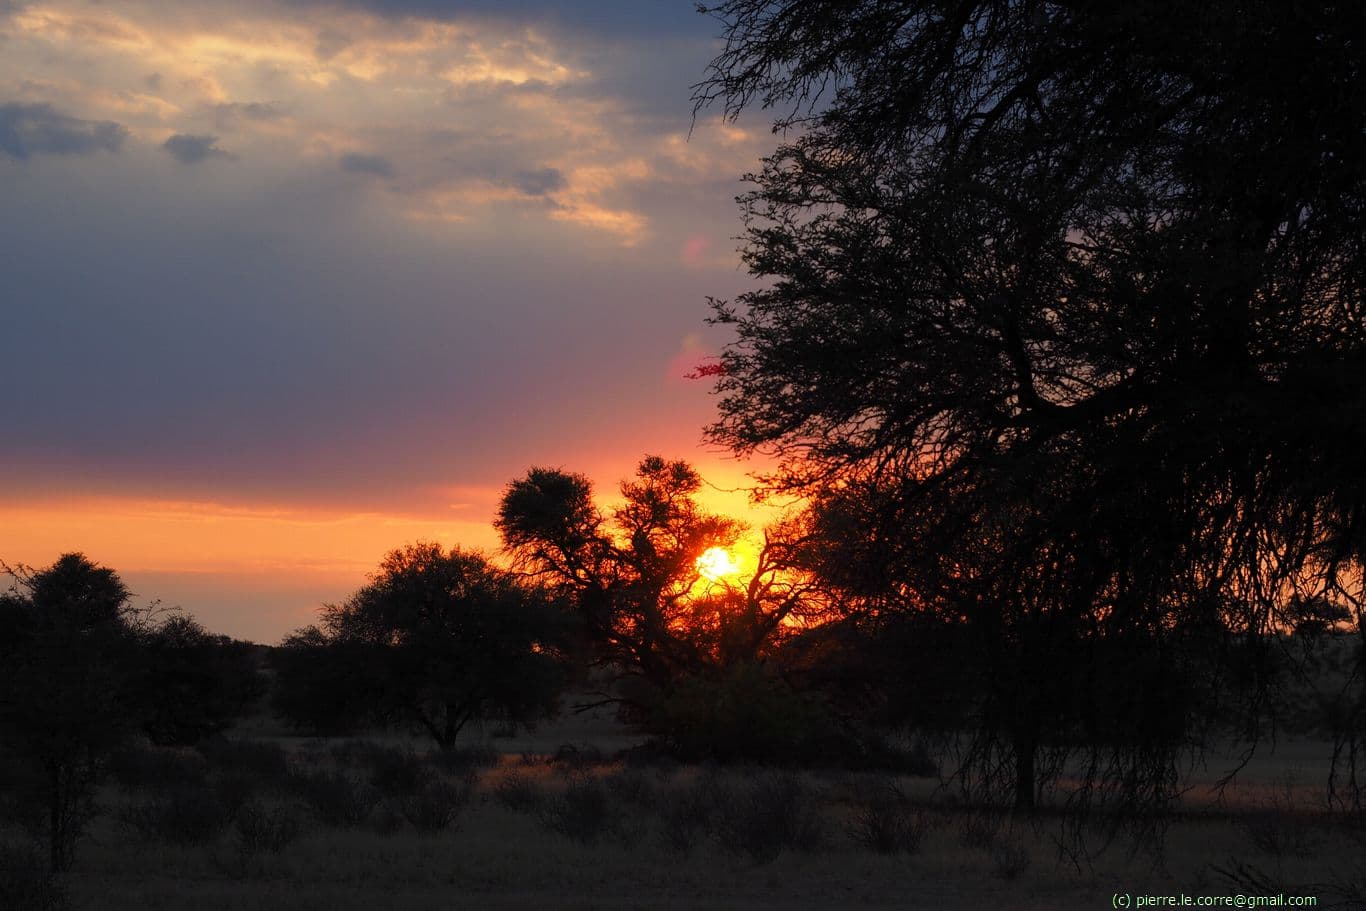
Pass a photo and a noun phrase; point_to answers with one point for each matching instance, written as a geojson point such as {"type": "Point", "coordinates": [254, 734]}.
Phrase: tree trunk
{"type": "Point", "coordinates": [1025, 746]}
{"type": "Point", "coordinates": [59, 818]}
{"type": "Point", "coordinates": [54, 800]}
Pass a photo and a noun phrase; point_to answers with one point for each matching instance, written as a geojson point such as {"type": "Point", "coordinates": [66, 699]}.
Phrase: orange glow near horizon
{"type": "Point", "coordinates": [259, 570]}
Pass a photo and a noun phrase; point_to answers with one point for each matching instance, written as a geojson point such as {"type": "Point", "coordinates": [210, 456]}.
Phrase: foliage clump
{"type": "Point", "coordinates": [436, 640]}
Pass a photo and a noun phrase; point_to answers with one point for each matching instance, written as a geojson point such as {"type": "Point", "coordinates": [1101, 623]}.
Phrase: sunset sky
{"type": "Point", "coordinates": [287, 285]}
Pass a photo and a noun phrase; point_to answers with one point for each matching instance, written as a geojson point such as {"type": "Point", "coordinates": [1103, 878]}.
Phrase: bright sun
{"type": "Point", "coordinates": [716, 562]}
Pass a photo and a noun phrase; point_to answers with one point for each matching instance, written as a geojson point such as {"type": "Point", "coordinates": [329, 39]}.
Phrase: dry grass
{"type": "Point", "coordinates": [588, 832]}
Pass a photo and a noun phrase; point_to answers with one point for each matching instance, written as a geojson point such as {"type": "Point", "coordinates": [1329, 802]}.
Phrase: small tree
{"type": "Point", "coordinates": [322, 684]}
{"type": "Point", "coordinates": [68, 684]}
{"type": "Point", "coordinates": [195, 684]}
{"type": "Point", "coordinates": [436, 639]}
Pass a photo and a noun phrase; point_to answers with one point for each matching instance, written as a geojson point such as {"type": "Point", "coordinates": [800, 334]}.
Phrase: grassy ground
{"type": "Point", "coordinates": [305, 824]}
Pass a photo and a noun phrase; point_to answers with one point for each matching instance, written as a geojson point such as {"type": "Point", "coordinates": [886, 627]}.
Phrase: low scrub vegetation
{"type": "Point", "coordinates": [26, 884]}
{"type": "Point", "coordinates": [886, 823]}
{"type": "Point", "coordinates": [774, 814]}
{"type": "Point", "coordinates": [582, 811]}
{"type": "Point", "coordinates": [187, 815]}
{"type": "Point", "coordinates": [436, 805]}
{"type": "Point", "coordinates": [262, 830]}
{"type": "Point", "coordinates": [335, 797]}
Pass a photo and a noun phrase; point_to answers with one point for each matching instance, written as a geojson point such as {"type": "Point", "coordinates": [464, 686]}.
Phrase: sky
{"type": "Point", "coordinates": [287, 285]}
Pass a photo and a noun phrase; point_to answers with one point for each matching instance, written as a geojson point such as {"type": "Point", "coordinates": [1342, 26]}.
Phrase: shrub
{"type": "Point", "coordinates": [26, 884]}
{"type": "Point", "coordinates": [467, 759]}
{"type": "Point", "coordinates": [650, 755]}
{"type": "Point", "coordinates": [265, 760]}
{"type": "Point", "coordinates": [688, 812]}
{"type": "Point", "coordinates": [335, 798]}
{"type": "Point", "coordinates": [748, 715]}
{"type": "Point", "coordinates": [632, 787]}
{"type": "Point", "coordinates": [261, 831]}
{"type": "Point", "coordinates": [519, 793]}
{"type": "Point", "coordinates": [570, 758]}
{"type": "Point", "coordinates": [356, 752]}
{"type": "Point", "coordinates": [436, 806]}
{"type": "Point", "coordinates": [398, 772]}
{"type": "Point", "coordinates": [776, 813]}
{"type": "Point", "coordinates": [139, 766]}
{"type": "Point", "coordinates": [886, 824]}
{"type": "Point", "coordinates": [1009, 858]}
{"type": "Point", "coordinates": [919, 761]}
{"type": "Point", "coordinates": [234, 790]}
{"type": "Point", "coordinates": [387, 819]}
{"type": "Point", "coordinates": [979, 830]}
{"type": "Point", "coordinates": [582, 813]}
{"type": "Point", "coordinates": [1277, 828]}
{"type": "Point", "coordinates": [189, 815]}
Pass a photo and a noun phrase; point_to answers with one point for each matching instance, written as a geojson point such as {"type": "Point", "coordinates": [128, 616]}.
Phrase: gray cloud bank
{"type": "Point", "coordinates": [367, 164]}
{"type": "Point", "coordinates": [37, 129]}
{"type": "Point", "coordinates": [190, 149]}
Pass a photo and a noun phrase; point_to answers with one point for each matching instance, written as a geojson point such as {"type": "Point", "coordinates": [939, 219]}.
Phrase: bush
{"type": "Point", "coordinates": [262, 831]}
{"type": "Point", "coordinates": [569, 758]}
{"type": "Point", "coordinates": [650, 755]}
{"type": "Point", "coordinates": [979, 830]}
{"type": "Point", "coordinates": [582, 813]}
{"type": "Point", "coordinates": [748, 715]}
{"type": "Point", "coordinates": [264, 760]}
{"type": "Point", "coordinates": [466, 759]}
{"type": "Point", "coordinates": [436, 806]}
{"type": "Point", "coordinates": [26, 884]}
{"type": "Point", "coordinates": [398, 773]}
{"type": "Point", "coordinates": [138, 766]}
{"type": "Point", "coordinates": [688, 813]}
{"type": "Point", "coordinates": [187, 816]}
{"type": "Point", "coordinates": [1009, 859]}
{"type": "Point", "coordinates": [1277, 828]}
{"type": "Point", "coordinates": [387, 818]}
{"type": "Point", "coordinates": [519, 793]}
{"type": "Point", "coordinates": [356, 752]}
{"type": "Point", "coordinates": [880, 753]}
{"type": "Point", "coordinates": [887, 825]}
{"type": "Point", "coordinates": [335, 798]}
{"type": "Point", "coordinates": [776, 813]}
{"type": "Point", "coordinates": [234, 790]}
{"type": "Point", "coordinates": [632, 787]}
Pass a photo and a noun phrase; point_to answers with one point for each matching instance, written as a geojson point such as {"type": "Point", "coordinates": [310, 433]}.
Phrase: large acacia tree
{"type": "Point", "coordinates": [633, 578]}
{"type": "Point", "coordinates": [1074, 293]}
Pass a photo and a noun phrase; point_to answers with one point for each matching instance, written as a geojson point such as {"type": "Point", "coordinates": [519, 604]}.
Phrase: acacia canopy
{"type": "Point", "coordinates": [646, 604]}
{"type": "Point", "coordinates": [1063, 304]}
{"type": "Point", "coordinates": [1018, 240]}
{"type": "Point", "coordinates": [437, 639]}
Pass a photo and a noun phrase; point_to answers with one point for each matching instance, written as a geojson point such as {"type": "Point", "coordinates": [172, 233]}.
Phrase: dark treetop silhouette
{"type": "Point", "coordinates": [82, 671]}
{"type": "Point", "coordinates": [634, 581]}
{"type": "Point", "coordinates": [437, 639]}
{"type": "Point", "coordinates": [1066, 299]}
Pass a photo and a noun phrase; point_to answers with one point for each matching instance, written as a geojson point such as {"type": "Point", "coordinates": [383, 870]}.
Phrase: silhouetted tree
{"type": "Point", "coordinates": [438, 638]}
{"type": "Point", "coordinates": [68, 684]}
{"type": "Point", "coordinates": [1077, 290]}
{"type": "Point", "coordinates": [194, 684]}
{"type": "Point", "coordinates": [678, 646]}
{"type": "Point", "coordinates": [633, 575]}
{"type": "Point", "coordinates": [324, 685]}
